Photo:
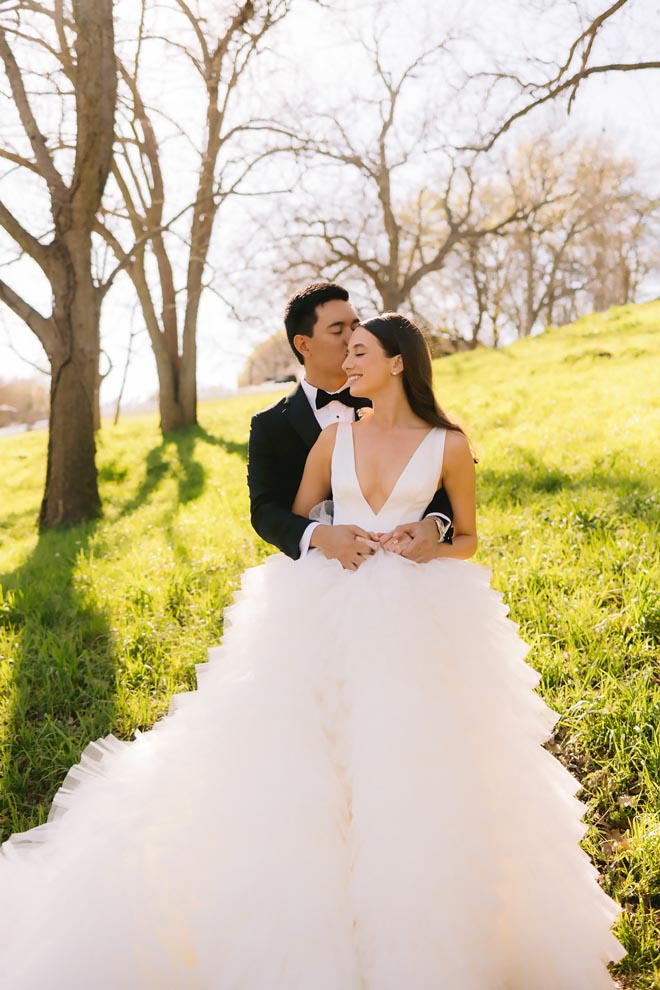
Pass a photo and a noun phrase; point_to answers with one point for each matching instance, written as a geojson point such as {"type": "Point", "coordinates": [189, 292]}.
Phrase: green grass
{"type": "Point", "coordinates": [101, 623]}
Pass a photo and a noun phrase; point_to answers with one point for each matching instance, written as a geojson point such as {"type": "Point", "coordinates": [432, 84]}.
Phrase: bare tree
{"type": "Point", "coordinates": [271, 359]}
{"type": "Point", "coordinates": [478, 278]}
{"type": "Point", "coordinates": [71, 174]}
{"type": "Point", "coordinates": [570, 258]}
{"type": "Point", "coordinates": [586, 247]}
{"type": "Point", "coordinates": [623, 250]}
{"type": "Point", "coordinates": [563, 79]}
{"type": "Point", "coordinates": [153, 241]}
{"type": "Point", "coordinates": [133, 334]}
{"type": "Point", "coordinates": [401, 200]}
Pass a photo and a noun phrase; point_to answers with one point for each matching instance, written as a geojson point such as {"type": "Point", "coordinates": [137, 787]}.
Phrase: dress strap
{"type": "Point", "coordinates": [438, 442]}
{"type": "Point", "coordinates": [342, 454]}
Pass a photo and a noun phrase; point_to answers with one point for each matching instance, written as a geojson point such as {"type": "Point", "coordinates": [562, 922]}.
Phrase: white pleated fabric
{"type": "Point", "coordinates": [355, 798]}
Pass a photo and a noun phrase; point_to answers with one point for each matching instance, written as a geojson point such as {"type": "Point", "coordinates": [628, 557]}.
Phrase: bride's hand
{"type": "Point", "coordinates": [396, 541]}
{"type": "Point", "coordinates": [417, 541]}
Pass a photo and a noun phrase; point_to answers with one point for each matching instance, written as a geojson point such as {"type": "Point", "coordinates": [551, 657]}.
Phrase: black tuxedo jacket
{"type": "Point", "coordinates": [280, 440]}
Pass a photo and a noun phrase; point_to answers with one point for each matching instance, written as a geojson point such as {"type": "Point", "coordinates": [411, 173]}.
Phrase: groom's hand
{"type": "Point", "coordinates": [350, 545]}
{"type": "Point", "coordinates": [416, 541]}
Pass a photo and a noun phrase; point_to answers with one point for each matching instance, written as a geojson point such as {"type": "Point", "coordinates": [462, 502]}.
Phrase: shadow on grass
{"type": "Point", "coordinates": [632, 497]}
{"type": "Point", "coordinates": [230, 446]}
{"type": "Point", "coordinates": [175, 456]}
{"type": "Point", "coordinates": [59, 682]}
{"type": "Point", "coordinates": [10, 520]}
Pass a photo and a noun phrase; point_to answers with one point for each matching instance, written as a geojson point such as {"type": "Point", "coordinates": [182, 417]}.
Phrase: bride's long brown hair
{"type": "Point", "coordinates": [399, 335]}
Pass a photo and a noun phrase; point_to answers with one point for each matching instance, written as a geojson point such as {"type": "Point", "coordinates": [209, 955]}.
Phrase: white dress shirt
{"type": "Point", "coordinates": [333, 412]}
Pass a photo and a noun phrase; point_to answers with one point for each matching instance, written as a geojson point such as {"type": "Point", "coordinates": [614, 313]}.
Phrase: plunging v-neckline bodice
{"type": "Point", "coordinates": [411, 493]}
{"type": "Point", "coordinates": [405, 468]}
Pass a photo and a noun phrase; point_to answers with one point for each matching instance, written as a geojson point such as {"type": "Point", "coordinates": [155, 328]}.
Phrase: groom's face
{"type": "Point", "coordinates": [324, 352]}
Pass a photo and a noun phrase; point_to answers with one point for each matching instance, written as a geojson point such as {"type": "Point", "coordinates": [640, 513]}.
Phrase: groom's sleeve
{"type": "Point", "coordinates": [441, 506]}
{"type": "Point", "coordinates": [270, 503]}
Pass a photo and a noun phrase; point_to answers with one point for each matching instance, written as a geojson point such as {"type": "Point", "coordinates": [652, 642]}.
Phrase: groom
{"type": "Point", "coordinates": [319, 320]}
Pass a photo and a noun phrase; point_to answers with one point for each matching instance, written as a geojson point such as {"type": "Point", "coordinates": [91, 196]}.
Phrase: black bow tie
{"type": "Point", "coordinates": [323, 398]}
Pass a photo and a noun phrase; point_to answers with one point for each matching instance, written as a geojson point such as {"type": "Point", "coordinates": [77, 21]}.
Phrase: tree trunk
{"type": "Point", "coordinates": [169, 405]}
{"type": "Point", "coordinates": [390, 293]}
{"type": "Point", "coordinates": [188, 368]}
{"type": "Point", "coordinates": [626, 283]}
{"type": "Point", "coordinates": [188, 387]}
{"type": "Point", "coordinates": [97, 402]}
{"type": "Point", "coordinates": [70, 335]}
{"type": "Point", "coordinates": [529, 287]}
{"type": "Point", "coordinates": [169, 383]}
{"type": "Point", "coordinates": [71, 493]}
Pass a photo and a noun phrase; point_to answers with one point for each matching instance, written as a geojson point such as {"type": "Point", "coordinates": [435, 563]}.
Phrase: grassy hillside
{"type": "Point", "coordinates": [99, 625]}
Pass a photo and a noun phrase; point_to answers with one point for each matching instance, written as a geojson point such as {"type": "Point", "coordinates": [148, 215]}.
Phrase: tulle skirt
{"type": "Point", "coordinates": [355, 798]}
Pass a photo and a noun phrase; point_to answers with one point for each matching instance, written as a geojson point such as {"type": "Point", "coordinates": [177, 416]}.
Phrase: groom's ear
{"type": "Point", "coordinates": [301, 344]}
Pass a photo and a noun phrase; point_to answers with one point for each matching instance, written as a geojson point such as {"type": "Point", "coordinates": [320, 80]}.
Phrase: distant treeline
{"type": "Point", "coordinates": [23, 400]}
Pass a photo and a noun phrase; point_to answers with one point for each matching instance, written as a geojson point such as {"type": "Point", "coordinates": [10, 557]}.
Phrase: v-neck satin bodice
{"type": "Point", "coordinates": [412, 491]}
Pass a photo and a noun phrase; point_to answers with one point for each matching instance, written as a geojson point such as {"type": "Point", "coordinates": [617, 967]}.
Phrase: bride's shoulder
{"type": "Point", "coordinates": [326, 437]}
{"type": "Point", "coordinates": [457, 449]}
{"type": "Point", "coordinates": [322, 449]}
{"type": "Point", "coordinates": [456, 440]}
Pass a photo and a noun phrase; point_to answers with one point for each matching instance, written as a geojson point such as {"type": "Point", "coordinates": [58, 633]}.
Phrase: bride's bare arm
{"type": "Point", "coordinates": [459, 481]}
{"type": "Point", "coordinates": [350, 545]}
{"type": "Point", "coordinates": [316, 484]}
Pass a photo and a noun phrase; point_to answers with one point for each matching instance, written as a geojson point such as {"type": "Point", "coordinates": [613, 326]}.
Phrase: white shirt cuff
{"type": "Point", "coordinates": [306, 538]}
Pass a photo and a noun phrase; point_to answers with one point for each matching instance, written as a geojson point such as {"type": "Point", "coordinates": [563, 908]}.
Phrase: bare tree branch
{"type": "Point", "coordinates": [20, 160]}
{"type": "Point", "coordinates": [567, 79]}
{"type": "Point", "coordinates": [567, 84]}
{"type": "Point", "coordinates": [40, 325]}
{"type": "Point", "coordinates": [28, 120]}
{"type": "Point", "coordinates": [27, 242]}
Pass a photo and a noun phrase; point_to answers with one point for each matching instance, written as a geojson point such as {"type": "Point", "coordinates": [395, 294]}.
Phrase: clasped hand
{"type": "Point", "coordinates": [417, 541]}
{"type": "Point", "coordinates": [351, 545]}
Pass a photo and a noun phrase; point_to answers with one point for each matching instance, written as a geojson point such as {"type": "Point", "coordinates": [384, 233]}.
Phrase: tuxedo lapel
{"type": "Point", "coordinates": [301, 417]}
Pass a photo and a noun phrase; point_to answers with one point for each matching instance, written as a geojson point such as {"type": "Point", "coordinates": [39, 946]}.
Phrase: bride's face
{"type": "Point", "coordinates": [367, 366]}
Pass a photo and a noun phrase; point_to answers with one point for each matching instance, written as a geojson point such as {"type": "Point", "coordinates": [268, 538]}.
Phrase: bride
{"type": "Point", "coordinates": [356, 797]}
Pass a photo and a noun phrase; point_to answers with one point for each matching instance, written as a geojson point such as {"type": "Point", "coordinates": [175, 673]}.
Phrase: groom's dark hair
{"type": "Point", "coordinates": [300, 314]}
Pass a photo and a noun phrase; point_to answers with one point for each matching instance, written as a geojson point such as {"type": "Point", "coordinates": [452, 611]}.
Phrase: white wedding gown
{"type": "Point", "coordinates": [355, 798]}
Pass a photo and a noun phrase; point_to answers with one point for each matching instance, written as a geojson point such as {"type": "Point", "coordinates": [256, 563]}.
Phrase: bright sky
{"type": "Point", "coordinates": [315, 59]}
